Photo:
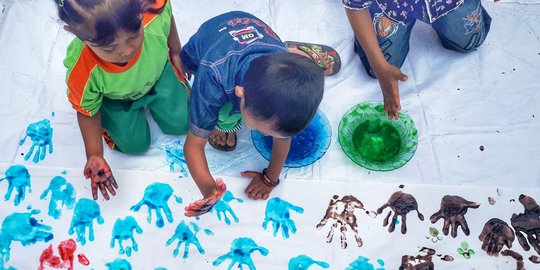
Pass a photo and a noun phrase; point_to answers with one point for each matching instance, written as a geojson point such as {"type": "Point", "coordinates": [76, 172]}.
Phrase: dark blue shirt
{"type": "Point", "coordinates": [405, 10]}
{"type": "Point", "coordinates": [220, 54]}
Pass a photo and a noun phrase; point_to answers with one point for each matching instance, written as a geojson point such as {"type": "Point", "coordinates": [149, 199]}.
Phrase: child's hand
{"type": "Point", "coordinates": [389, 77]}
{"type": "Point", "coordinates": [257, 189]}
{"type": "Point", "coordinates": [205, 204]}
{"type": "Point", "coordinates": [177, 63]}
{"type": "Point", "coordinates": [101, 177]}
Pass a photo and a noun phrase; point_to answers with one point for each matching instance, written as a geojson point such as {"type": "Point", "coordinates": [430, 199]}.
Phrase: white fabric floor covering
{"type": "Point", "coordinates": [458, 102]}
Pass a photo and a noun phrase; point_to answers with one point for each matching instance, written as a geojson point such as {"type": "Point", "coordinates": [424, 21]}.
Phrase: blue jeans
{"type": "Point", "coordinates": [462, 30]}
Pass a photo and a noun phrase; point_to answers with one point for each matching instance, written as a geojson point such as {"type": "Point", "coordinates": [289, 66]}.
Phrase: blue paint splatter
{"type": "Point", "coordinates": [160, 268]}
{"type": "Point", "coordinates": [277, 211]}
{"type": "Point", "coordinates": [64, 172]}
{"type": "Point", "coordinates": [304, 262]}
{"type": "Point", "coordinates": [21, 227]}
{"type": "Point", "coordinates": [41, 135]}
{"type": "Point", "coordinates": [62, 194]}
{"type": "Point", "coordinates": [240, 252]}
{"type": "Point", "coordinates": [29, 207]}
{"type": "Point", "coordinates": [187, 236]}
{"type": "Point", "coordinates": [123, 230]}
{"type": "Point", "coordinates": [118, 264]}
{"type": "Point", "coordinates": [362, 263]}
{"type": "Point", "coordinates": [178, 199]}
{"type": "Point", "coordinates": [175, 157]}
{"type": "Point", "coordinates": [223, 207]}
{"type": "Point", "coordinates": [83, 217]}
{"type": "Point", "coordinates": [156, 197]}
{"type": "Point", "coordinates": [18, 178]}
{"type": "Point", "coordinates": [53, 114]}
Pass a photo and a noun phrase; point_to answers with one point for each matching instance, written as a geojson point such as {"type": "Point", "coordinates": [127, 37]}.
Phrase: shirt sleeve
{"type": "Point", "coordinates": [356, 4]}
{"type": "Point", "coordinates": [207, 98]}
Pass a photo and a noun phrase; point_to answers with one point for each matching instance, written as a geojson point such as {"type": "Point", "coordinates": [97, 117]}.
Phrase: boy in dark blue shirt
{"type": "Point", "coordinates": [244, 73]}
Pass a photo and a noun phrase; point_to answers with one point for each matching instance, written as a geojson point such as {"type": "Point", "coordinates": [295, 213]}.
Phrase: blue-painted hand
{"type": "Point", "coordinates": [123, 230]}
{"type": "Point", "coordinates": [156, 197]}
{"type": "Point", "coordinates": [362, 263]}
{"type": "Point", "coordinates": [22, 227]}
{"type": "Point", "coordinates": [187, 236]}
{"type": "Point", "coordinates": [41, 135]}
{"type": "Point", "coordinates": [18, 178]}
{"type": "Point", "coordinates": [62, 194]}
{"type": "Point", "coordinates": [277, 211]}
{"type": "Point", "coordinates": [304, 262]}
{"type": "Point", "coordinates": [83, 217]}
{"type": "Point", "coordinates": [223, 207]}
{"type": "Point", "coordinates": [240, 252]}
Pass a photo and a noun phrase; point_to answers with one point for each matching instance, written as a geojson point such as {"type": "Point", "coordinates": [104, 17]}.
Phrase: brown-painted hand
{"type": "Point", "coordinates": [343, 219]}
{"type": "Point", "coordinates": [495, 235]}
{"type": "Point", "coordinates": [401, 203]}
{"type": "Point", "coordinates": [453, 210]}
{"type": "Point", "coordinates": [528, 223]}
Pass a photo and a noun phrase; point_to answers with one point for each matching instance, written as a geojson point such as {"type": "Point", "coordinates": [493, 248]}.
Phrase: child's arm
{"type": "Point", "coordinates": [258, 189]}
{"type": "Point", "coordinates": [211, 190]}
{"type": "Point", "coordinates": [96, 167]}
{"type": "Point", "coordinates": [174, 49]}
{"type": "Point", "coordinates": [387, 74]}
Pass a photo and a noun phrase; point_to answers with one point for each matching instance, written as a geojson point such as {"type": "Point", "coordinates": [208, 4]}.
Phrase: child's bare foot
{"type": "Point", "coordinates": [257, 189]}
{"type": "Point", "coordinates": [222, 141]}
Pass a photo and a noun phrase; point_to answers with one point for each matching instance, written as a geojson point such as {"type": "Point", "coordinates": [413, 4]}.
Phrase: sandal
{"type": "Point", "coordinates": [317, 53]}
{"type": "Point", "coordinates": [226, 147]}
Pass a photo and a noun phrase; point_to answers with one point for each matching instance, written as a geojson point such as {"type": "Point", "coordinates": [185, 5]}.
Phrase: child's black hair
{"type": "Point", "coordinates": [98, 21]}
{"type": "Point", "coordinates": [285, 87]}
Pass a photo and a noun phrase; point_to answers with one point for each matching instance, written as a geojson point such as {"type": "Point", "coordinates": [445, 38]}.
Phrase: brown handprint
{"type": "Point", "coordinates": [527, 223]}
{"type": "Point", "coordinates": [519, 259]}
{"type": "Point", "coordinates": [401, 203]}
{"type": "Point", "coordinates": [343, 219]}
{"type": "Point", "coordinates": [495, 235]}
{"type": "Point", "coordinates": [453, 210]}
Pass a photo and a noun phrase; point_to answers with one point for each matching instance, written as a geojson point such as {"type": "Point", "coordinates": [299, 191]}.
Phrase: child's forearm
{"type": "Point", "coordinates": [280, 150]}
{"type": "Point", "coordinates": [173, 40]}
{"type": "Point", "coordinates": [197, 164]}
{"type": "Point", "coordinates": [91, 131]}
{"type": "Point", "coordinates": [362, 26]}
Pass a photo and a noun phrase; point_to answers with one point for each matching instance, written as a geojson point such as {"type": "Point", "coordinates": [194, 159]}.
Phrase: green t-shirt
{"type": "Point", "coordinates": [89, 78]}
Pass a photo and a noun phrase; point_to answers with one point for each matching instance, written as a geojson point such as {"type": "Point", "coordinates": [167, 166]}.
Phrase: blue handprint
{"type": "Point", "coordinates": [240, 252]}
{"type": "Point", "coordinates": [175, 157]}
{"type": "Point", "coordinates": [118, 264]}
{"type": "Point", "coordinates": [362, 263]}
{"type": "Point", "coordinates": [84, 214]}
{"type": "Point", "coordinates": [41, 135]}
{"type": "Point", "coordinates": [304, 262]}
{"type": "Point", "coordinates": [123, 230]}
{"type": "Point", "coordinates": [18, 178]}
{"type": "Point", "coordinates": [62, 193]}
{"type": "Point", "coordinates": [156, 197]}
{"type": "Point", "coordinates": [21, 227]}
{"type": "Point", "coordinates": [185, 235]}
{"type": "Point", "coordinates": [222, 207]}
{"type": "Point", "coordinates": [277, 211]}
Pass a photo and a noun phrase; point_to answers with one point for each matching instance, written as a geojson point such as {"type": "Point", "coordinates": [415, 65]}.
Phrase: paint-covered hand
{"type": "Point", "coordinates": [205, 204]}
{"type": "Point", "coordinates": [101, 177]}
{"type": "Point", "coordinates": [495, 235]}
{"type": "Point", "coordinates": [389, 76]}
{"type": "Point", "coordinates": [401, 203]}
{"type": "Point", "coordinates": [527, 224]}
{"type": "Point", "coordinates": [453, 210]}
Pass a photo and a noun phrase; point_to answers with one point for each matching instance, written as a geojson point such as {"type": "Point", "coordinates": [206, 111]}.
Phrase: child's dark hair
{"type": "Point", "coordinates": [98, 21]}
{"type": "Point", "coordinates": [285, 87]}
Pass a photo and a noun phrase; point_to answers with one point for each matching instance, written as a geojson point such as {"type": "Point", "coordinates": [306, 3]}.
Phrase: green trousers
{"type": "Point", "coordinates": [125, 121]}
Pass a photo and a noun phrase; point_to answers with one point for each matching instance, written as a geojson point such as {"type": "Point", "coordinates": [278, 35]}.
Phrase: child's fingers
{"type": "Point", "coordinates": [251, 174]}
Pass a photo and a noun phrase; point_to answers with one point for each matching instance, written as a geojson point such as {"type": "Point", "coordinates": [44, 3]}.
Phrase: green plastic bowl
{"type": "Point", "coordinates": [372, 141]}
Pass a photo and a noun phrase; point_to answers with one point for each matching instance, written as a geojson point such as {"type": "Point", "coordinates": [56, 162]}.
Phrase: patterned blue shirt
{"type": "Point", "coordinates": [404, 10]}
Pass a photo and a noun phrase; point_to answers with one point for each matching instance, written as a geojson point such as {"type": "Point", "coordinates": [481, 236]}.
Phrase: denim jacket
{"type": "Point", "coordinates": [221, 52]}
{"type": "Point", "coordinates": [404, 10]}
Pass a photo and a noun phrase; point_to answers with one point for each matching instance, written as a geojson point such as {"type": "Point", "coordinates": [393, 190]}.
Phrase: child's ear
{"type": "Point", "coordinates": [239, 91]}
{"type": "Point", "coordinates": [68, 29]}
